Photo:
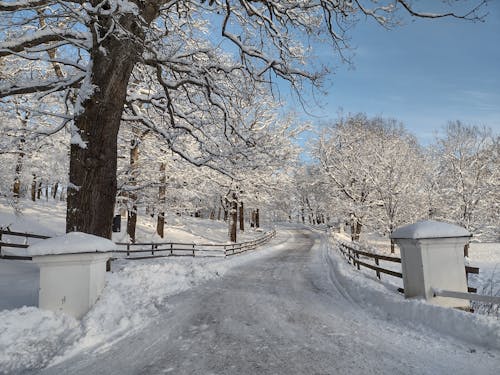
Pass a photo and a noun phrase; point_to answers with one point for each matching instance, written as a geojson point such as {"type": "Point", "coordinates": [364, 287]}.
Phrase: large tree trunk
{"type": "Point", "coordinates": [160, 224]}
{"type": "Point", "coordinates": [92, 175]}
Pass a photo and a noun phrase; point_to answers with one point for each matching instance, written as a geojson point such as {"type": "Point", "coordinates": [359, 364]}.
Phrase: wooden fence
{"type": "Point", "coordinates": [359, 259]}
{"type": "Point", "coordinates": [145, 250]}
{"type": "Point", "coordinates": [5, 241]}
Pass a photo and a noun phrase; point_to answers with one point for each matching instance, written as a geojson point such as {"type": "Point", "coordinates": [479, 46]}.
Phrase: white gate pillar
{"type": "Point", "coordinates": [432, 258]}
{"type": "Point", "coordinates": [72, 271]}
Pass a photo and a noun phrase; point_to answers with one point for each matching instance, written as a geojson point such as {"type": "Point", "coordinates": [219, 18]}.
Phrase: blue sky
{"type": "Point", "coordinates": [423, 73]}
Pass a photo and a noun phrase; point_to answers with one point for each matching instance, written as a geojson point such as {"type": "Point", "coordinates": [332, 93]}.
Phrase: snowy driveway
{"type": "Point", "coordinates": [281, 314]}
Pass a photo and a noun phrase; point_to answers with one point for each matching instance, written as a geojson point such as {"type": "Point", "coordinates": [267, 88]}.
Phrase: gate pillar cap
{"type": "Point", "coordinates": [73, 242]}
{"type": "Point", "coordinates": [429, 229]}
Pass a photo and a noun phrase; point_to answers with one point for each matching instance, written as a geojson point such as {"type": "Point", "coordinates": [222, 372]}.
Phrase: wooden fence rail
{"type": "Point", "coordinates": [144, 250]}
{"type": "Point", "coordinates": [353, 256]}
{"type": "Point", "coordinates": [467, 296]}
{"type": "Point", "coordinates": [163, 249]}
{"type": "Point", "coordinates": [5, 243]}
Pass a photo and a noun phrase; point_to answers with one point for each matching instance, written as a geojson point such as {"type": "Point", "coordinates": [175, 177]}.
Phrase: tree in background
{"type": "Point", "coordinates": [396, 174]}
{"type": "Point", "coordinates": [467, 168]}
{"type": "Point", "coordinates": [375, 166]}
{"type": "Point", "coordinates": [344, 154]}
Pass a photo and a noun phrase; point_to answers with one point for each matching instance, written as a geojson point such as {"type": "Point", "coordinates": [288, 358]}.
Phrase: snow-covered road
{"type": "Point", "coordinates": [285, 313]}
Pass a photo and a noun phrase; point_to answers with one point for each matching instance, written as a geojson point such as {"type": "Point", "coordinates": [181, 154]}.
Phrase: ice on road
{"type": "Point", "coordinates": [281, 314]}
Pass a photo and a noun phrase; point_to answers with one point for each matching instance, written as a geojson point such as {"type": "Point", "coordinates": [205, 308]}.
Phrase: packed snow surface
{"type": "Point", "coordinates": [429, 229]}
{"type": "Point", "coordinates": [73, 242]}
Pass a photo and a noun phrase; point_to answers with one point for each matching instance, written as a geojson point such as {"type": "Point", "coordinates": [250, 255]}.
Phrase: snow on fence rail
{"type": "Point", "coordinates": [354, 256]}
{"type": "Point", "coordinates": [149, 249]}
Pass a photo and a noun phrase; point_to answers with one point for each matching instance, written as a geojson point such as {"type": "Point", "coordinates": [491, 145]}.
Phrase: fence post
{"type": "Point", "coordinates": [193, 250]}
{"type": "Point", "coordinates": [378, 272]}
{"type": "Point", "coordinates": [357, 263]}
{"type": "Point", "coordinates": [171, 248]}
{"type": "Point", "coordinates": [128, 249]}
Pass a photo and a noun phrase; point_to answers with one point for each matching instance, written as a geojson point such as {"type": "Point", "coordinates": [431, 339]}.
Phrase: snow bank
{"type": "Point", "coordinates": [30, 337]}
{"type": "Point", "coordinates": [73, 242]}
{"type": "Point", "coordinates": [135, 293]}
{"type": "Point", "coordinates": [472, 328]}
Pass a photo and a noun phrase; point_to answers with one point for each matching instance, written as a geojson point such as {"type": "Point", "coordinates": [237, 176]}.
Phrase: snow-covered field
{"type": "Point", "coordinates": [138, 292]}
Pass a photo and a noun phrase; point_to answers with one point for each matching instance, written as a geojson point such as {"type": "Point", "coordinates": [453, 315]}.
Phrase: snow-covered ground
{"type": "Point", "coordinates": [137, 293]}
{"type": "Point", "coordinates": [293, 308]}
{"type": "Point", "coordinates": [48, 218]}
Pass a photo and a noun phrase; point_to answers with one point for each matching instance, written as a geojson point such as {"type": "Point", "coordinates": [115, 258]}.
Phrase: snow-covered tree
{"type": "Point", "coordinates": [374, 165]}
{"type": "Point", "coordinates": [396, 174]}
{"type": "Point", "coordinates": [88, 54]}
{"type": "Point", "coordinates": [467, 167]}
{"type": "Point", "coordinates": [28, 156]}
